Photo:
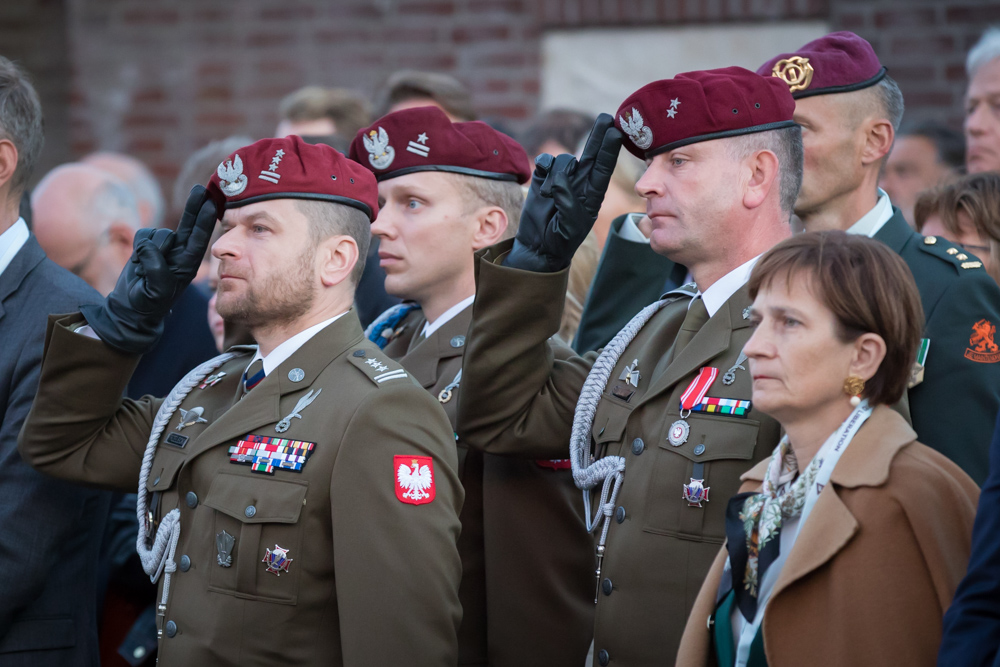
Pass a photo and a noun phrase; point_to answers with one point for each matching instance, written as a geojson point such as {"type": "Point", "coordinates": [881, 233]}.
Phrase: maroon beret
{"type": "Point", "coordinates": [289, 168]}
{"type": "Point", "coordinates": [699, 106]}
{"type": "Point", "coordinates": [425, 139]}
{"type": "Point", "coordinates": [837, 63]}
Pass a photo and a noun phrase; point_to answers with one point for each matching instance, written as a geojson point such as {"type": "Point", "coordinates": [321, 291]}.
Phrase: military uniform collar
{"type": "Point", "coordinates": [725, 287]}
{"type": "Point", "coordinates": [869, 456]}
{"type": "Point", "coordinates": [872, 221]}
{"type": "Point", "coordinates": [430, 327]}
{"type": "Point", "coordinates": [896, 232]}
{"type": "Point", "coordinates": [422, 359]}
{"type": "Point", "coordinates": [290, 346]}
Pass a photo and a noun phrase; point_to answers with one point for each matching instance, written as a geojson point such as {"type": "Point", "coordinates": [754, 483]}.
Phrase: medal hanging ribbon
{"type": "Point", "coordinates": [696, 391]}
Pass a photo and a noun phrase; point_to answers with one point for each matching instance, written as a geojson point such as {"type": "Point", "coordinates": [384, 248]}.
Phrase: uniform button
{"type": "Point", "coordinates": [191, 499]}
{"type": "Point", "coordinates": [185, 563]}
{"type": "Point", "coordinates": [250, 511]}
{"type": "Point", "coordinates": [457, 341]}
{"type": "Point", "coordinates": [620, 514]}
{"type": "Point", "coordinates": [637, 446]}
{"type": "Point", "coordinates": [359, 353]}
{"type": "Point", "coordinates": [172, 629]}
{"type": "Point", "coordinates": [699, 450]}
{"type": "Point", "coordinates": [139, 652]}
{"type": "Point", "coordinates": [603, 658]}
{"type": "Point", "coordinates": [607, 586]}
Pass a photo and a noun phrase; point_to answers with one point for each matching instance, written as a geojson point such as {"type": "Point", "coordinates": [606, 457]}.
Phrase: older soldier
{"type": "Point", "coordinates": [666, 406]}
{"type": "Point", "coordinates": [849, 109]}
{"type": "Point", "coordinates": [299, 500]}
{"type": "Point", "coordinates": [447, 190]}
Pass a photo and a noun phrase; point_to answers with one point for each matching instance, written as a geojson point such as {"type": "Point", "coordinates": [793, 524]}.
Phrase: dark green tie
{"type": "Point", "coordinates": [695, 319]}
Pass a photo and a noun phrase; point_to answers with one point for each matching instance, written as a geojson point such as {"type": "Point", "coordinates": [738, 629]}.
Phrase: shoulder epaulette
{"type": "Point", "coordinates": [376, 366]}
{"type": "Point", "coordinates": [949, 252]}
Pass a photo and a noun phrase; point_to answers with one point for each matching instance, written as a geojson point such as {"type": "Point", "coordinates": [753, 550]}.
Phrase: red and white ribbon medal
{"type": "Point", "coordinates": [692, 396]}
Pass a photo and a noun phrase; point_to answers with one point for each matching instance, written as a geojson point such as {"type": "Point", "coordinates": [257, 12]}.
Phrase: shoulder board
{"type": "Point", "coordinates": [379, 368]}
{"type": "Point", "coordinates": [688, 289]}
{"type": "Point", "coordinates": [949, 252]}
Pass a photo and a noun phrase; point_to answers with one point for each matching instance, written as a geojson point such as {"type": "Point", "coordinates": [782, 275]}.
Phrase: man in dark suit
{"type": "Point", "coordinates": [50, 530]}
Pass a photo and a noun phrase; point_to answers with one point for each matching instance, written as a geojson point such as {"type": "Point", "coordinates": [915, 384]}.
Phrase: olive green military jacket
{"type": "Point", "coordinates": [954, 408]}
{"type": "Point", "coordinates": [518, 397]}
{"type": "Point", "coordinates": [527, 561]}
{"type": "Point", "coordinates": [373, 579]}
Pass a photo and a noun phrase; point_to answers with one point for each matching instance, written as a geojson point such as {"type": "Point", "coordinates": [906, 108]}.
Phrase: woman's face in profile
{"type": "Point", "coordinates": [797, 362]}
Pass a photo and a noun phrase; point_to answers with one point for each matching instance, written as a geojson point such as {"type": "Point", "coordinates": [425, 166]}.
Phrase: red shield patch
{"type": "Point", "coordinates": [414, 479]}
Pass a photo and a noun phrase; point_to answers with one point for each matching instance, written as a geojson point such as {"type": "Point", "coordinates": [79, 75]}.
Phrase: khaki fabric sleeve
{"type": "Point", "coordinates": [519, 386]}
{"type": "Point", "coordinates": [397, 564]}
{"type": "Point", "coordinates": [79, 427]}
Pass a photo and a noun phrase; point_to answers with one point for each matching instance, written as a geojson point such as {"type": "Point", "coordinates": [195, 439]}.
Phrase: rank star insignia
{"type": "Point", "coordinates": [276, 560]}
{"type": "Point", "coordinates": [377, 365]}
{"type": "Point", "coordinates": [212, 380]}
{"type": "Point", "coordinates": [696, 492]}
{"type": "Point", "coordinates": [671, 113]}
{"type": "Point", "coordinates": [631, 374]}
{"type": "Point", "coordinates": [191, 417]}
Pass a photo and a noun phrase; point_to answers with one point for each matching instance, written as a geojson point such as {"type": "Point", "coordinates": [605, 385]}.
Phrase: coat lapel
{"type": "Point", "coordinates": [423, 360]}
{"type": "Point", "coordinates": [895, 232]}
{"type": "Point", "coordinates": [25, 259]}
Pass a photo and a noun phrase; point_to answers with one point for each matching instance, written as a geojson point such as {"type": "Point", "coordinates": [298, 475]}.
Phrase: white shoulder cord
{"type": "Point", "coordinates": [158, 559]}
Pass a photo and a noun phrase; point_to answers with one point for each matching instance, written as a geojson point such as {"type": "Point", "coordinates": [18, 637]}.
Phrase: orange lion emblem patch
{"type": "Point", "coordinates": [982, 348]}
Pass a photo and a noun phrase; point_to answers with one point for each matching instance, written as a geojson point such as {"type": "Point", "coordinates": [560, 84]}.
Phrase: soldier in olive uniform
{"type": "Point", "coordinates": [665, 408]}
{"type": "Point", "coordinates": [299, 501]}
{"type": "Point", "coordinates": [849, 109]}
{"type": "Point", "coordinates": [448, 190]}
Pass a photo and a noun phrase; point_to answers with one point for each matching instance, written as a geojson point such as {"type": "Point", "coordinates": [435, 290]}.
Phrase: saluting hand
{"type": "Point", "coordinates": [162, 265]}
{"type": "Point", "coordinates": [563, 201]}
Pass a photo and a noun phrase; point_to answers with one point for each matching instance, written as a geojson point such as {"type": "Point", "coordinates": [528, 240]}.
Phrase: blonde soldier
{"type": "Point", "coordinates": [665, 408]}
{"type": "Point", "coordinates": [447, 190]}
{"type": "Point", "coordinates": [298, 502]}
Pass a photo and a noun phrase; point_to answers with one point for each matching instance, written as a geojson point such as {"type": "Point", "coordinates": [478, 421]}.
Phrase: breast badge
{"type": "Point", "coordinates": [414, 479]}
{"type": "Point", "coordinates": [276, 560]}
{"type": "Point", "coordinates": [224, 543]}
{"type": "Point", "coordinates": [981, 348]}
{"type": "Point", "coordinates": [191, 417]}
{"type": "Point", "coordinates": [696, 492]}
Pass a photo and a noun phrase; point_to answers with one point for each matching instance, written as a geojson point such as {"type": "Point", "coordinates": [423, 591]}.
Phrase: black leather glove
{"type": "Point", "coordinates": [563, 201]}
{"type": "Point", "coordinates": [162, 265]}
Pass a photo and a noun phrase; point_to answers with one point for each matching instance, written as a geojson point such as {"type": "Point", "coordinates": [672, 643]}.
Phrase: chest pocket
{"type": "Point", "coordinates": [260, 513]}
{"type": "Point", "coordinates": [724, 448]}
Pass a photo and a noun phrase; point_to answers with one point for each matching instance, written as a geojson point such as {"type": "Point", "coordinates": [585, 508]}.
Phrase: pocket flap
{"type": "Point", "coordinates": [716, 438]}
{"type": "Point", "coordinates": [163, 472]}
{"type": "Point", "coordinates": [610, 421]}
{"type": "Point", "coordinates": [273, 500]}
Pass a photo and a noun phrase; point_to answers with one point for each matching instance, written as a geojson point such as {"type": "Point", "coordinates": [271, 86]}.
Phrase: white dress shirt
{"type": "Point", "coordinates": [11, 241]}
{"type": "Point", "coordinates": [726, 286]}
{"type": "Point", "coordinates": [290, 346]}
{"type": "Point", "coordinates": [872, 221]}
{"type": "Point", "coordinates": [446, 316]}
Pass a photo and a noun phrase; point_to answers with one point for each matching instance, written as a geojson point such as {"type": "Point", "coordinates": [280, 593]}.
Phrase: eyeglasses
{"type": "Point", "coordinates": [975, 249]}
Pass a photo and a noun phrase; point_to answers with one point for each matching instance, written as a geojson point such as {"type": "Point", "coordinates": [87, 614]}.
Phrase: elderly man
{"type": "Point", "coordinates": [300, 498]}
{"type": "Point", "coordinates": [982, 118]}
{"type": "Point", "coordinates": [139, 180]}
{"type": "Point", "coordinates": [849, 110]}
{"type": "Point", "coordinates": [665, 406]}
{"type": "Point", "coordinates": [49, 529]}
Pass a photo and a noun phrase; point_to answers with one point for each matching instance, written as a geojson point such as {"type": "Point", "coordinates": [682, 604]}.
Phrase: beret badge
{"type": "Point", "coordinates": [633, 125]}
{"type": "Point", "coordinates": [232, 180]}
{"type": "Point", "coordinates": [380, 153]}
{"type": "Point", "coordinates": [795, 71]}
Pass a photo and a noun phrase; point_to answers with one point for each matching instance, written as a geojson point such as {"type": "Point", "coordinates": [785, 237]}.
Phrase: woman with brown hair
{"type": "Point", "coordinates": [967, 213]}
{"type": "Point", "coordinates": [846, 546]}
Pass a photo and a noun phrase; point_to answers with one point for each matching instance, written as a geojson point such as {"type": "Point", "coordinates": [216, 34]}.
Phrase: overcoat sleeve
{"type": "Point", "coordinates": [397, 563]}
{"type": "Point", "coordinates": [79, 427]}
{"type": "Point", "coordinates": [519, 387]}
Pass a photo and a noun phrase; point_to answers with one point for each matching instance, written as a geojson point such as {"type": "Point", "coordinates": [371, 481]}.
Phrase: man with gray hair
{"type": "Point", "coordinates": [139, 180]}
{"type": "Point", "coordinates": [50, 529]}
{"type": "Point", "coordinates": [982, 120]}
{"type": "Point", "coordinates": [850, 110]}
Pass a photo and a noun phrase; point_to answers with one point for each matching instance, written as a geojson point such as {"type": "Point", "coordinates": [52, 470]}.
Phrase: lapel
{"type": "Point", "coordinates": [831, 525]}
{"type": "Point", "coordinates": [713, 339]}
{"type": "Point", "coordinates": [895, 232]}
{"type": "Point", "coordinates": [262, 405]}
{"type": "Point", "coordinates": [424, 360]}
{"type": "Point", "coordinates": [28, 257]}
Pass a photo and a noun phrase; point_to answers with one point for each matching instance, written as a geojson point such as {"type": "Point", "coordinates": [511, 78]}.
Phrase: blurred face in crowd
{"type": "Point", "coordinates": [317, 127]}
{"type": "Point", "coordinates": [968, 237]}
{"type": "Point", "coordinates": [428, 227]}
{"type": "Point", "coordinates": [691, 201]}
{"type": "Point", "coordinates": [268, 274]}
{"type": "Point", "coordinates": [797, 361]}
{"type": "Point", "coordinates": [982, 119]}
{"type": "Point", "coordinates": [913, 166]}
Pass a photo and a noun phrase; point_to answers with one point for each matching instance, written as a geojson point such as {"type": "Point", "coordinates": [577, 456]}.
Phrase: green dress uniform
{"type": "Point", "coordinates": [520, 390]}
{"type": "Point", "coordinates": [328, 564]}
{"type": "Point", "coordinates": [527, 560]}
{"type": "Point", "coordinates": [954, 407]}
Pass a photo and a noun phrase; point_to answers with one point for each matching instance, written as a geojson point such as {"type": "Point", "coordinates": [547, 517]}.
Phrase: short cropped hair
{"type": "Point", "coordinates": [348, 110]}
{"type": "Point", "coordinates": [443, 89]}
{"type": "Point", "coordinates": [490, 192]}
{"type": "Point", "coordinates": [786, 144]}
{"type": "Point", "coordinates": [890, 98]}
{"type": "Point", "coordinates": [949, 143]}
{"type": "Point", "coordinates": [867, 287]}
{"type": "Point", "coordinates": [20, 122]}
{"type": "Point", "coordinates": [563, 126]}
{"type": "Point", "coordinates": [328, 219]}
{"type": "Point", "coordinates": [985, 50]}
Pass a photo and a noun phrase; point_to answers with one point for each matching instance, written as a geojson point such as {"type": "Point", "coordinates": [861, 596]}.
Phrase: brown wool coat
{"type": "Point", "coordinates": [874, 567]}
{"type": "Point", "coordinates": [373, 580]}
{"type": "Point", "coordinates": [527, 561]}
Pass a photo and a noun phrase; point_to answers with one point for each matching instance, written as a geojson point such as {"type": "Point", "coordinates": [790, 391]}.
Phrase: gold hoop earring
{"type": "Point", "coordinates": [853, 386]}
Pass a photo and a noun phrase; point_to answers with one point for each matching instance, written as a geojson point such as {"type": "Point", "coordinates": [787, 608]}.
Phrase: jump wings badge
{"type": "Point", "coordinates": [232, 180]}
{"type": "Point", "coordinates": [191, 417]}
{"type": "Point", "coordinates": [696, 492]}
{"type": "Point", "coordinates": [633, 125]}
{"type": "Point", "coordinates": [276, 560]}
{"type": "Point", "coordinates": [380, 153]}
{"type": "Point", "coordinates": [414, 479]}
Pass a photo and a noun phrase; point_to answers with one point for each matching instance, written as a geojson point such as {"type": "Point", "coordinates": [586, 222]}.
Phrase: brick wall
{"type": "Point", "coordinates": [159, 78]}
